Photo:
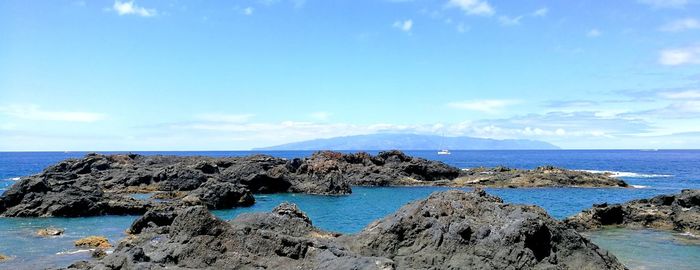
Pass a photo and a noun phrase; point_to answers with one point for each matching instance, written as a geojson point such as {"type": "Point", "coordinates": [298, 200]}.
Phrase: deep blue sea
{"type": "Point", "coordinates": [651, 172]}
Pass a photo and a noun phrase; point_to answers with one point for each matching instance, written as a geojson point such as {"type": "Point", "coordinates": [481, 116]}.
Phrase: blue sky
{"type": "Point", "coordinates": [227, 75]}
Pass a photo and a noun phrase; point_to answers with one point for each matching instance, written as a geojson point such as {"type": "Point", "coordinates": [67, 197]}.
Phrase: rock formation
{"type": "Point", "coordinates": [50, 231]}
{"type": "Point", "coordinates": [93, 242]}
{"type": "Point", "coordinates": [545, 176]}
{"type": "Point", "coordinates": [448, 230]}
{"type": "Point", "coordinates": [679, 212]}
{"type": "Point", "coordinates": [104, 184]}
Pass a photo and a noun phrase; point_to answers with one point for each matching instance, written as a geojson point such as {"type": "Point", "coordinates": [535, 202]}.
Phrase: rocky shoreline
{"type": "Point", "coordinates": [448, 230]}
{"type": "Point", "coordinates": [677, 212]}
{"type": "Point", "coordinates": [104, 184]}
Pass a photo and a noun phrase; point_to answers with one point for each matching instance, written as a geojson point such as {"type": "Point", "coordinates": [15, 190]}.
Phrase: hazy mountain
{"type": "Point", "coordinates": [385, 141]}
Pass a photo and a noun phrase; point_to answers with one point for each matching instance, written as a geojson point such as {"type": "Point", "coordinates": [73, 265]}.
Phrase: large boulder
{"type": "Point", "coordinates": [42, 196]}
{"type": "Point", "coordinates": [679, 212]}
{"type": "Point", "coordinates": [460, 230]}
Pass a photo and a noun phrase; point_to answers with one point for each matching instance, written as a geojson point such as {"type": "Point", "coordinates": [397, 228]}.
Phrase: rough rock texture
{"type": "Point", "coordinates": [386, 168]}
{"type": "Point", "coordinates": [449, 230]}
{"type": "Point", "coordinates": [50, 231]}
{"type": "Point", "coordinates": [459, 230]}
{"type": "Point", "coordinates": [93, 242]}
{"type": "Point", "coordinates": [545, 176]}
{"type": "Point", "coordinates": [679, 212]}
{"type": "Point", "coordinates": [65, 195]}
{"type": "Point", "coordinates": [103, 184]}
{"type": "Point", "coordinates": [100, 184]}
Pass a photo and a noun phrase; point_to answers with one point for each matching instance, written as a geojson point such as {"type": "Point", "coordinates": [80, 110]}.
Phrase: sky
{"type": "Point", "coordinates": [233, 75]}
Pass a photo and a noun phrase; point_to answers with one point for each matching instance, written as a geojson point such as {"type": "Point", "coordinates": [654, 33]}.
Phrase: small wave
{"type": "Point", "coordinates": [639, 186]}
{"type": "Point", "coordinates": [14, 178]}
{"type": "Point", "coordinates": [73, 252]}
{"type": "Point", "coordinates": [629, 174]}
{"type": "Point", "coordinates": [689, 234]}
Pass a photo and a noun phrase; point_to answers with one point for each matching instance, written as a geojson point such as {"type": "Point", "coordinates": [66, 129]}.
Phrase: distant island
{"type": "Point", "coordinates": [386, 141]}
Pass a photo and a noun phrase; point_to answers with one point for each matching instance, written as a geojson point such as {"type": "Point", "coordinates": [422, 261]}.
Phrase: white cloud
{"type": "Point", "coordinates": [680, 56]}
{"type": "Point", "coordinates": [665, 3]}
{"type": "Point", "coordinates": [473, 7]}
{"type": "Point", "coordinates": [34, 112]}
{"type": "Point", "coordinates": [321, 116]}
{"type": "Point", "coordinates": [485, 106]}
{"type": "Point", "coordinates": [540, 12]}
{"type": "Point", "coordinates": [593, 33]}
{"type": "Point", "coordinates": [248, 11]}
{"type": "Point", "coordinates": [404, 25]}
{"type": "Point", "coordinates": [516, 20]}
{"type": "Point", "coordinates": [681, 25]}
{"type": "Point", "coordinates": [506, 20]}
{"type": "Point", "coordinates": [129, 8]}
{"type": "Point", "coordinates": [227, 118]}
{"type": "Point", "coordinates": [686, 94]}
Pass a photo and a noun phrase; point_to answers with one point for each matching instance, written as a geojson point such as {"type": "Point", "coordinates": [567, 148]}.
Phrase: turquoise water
{"type": "Point", "coordinates": [659, 172]}
{"type": "Point", "coordinates": [650, 249]}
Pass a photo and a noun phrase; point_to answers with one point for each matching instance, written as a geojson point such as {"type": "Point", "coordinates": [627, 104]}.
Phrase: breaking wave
{"type": "Point", "coordinates": [630, 174]}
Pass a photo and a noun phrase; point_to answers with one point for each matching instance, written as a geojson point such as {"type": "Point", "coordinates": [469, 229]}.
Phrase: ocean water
{"type": "Point", "coordinates": [653, 172]}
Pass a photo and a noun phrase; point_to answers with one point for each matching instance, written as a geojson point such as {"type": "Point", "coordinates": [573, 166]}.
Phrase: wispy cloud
{"type": "Point", "coordinates": [34, 112]}
{"type": "Point", "coordinates": [681, 25]}
{"type": "Point", "coordinates": [680, 56]}
{"type": "Point", "coordinates": [541, 12]}
{"type": "Point", "coordinates": [405, 25]}
{"type": "Point", "coordinates": [226, 118]}
{"type": "Point", "coordinates": [248, 11]}
{"type": "Point", "coordinates": [593, 33]}
{"type": "Point", "coordinates": [507, 20]}
{"type": "Point", "coordinates": [516, 20]}
{"type": "Point", "coordinates": [571, 103]}
{"type": "Point", "coordinates": [321, 116]}
{"type": "Point", "coordinates": [665, 3]}
{"type": "Point", "coordinates": [130, 8]}
{"type": "Point", "coordinates": [473, 7]}
{"type": "Point", "coordinates": [485, 106]}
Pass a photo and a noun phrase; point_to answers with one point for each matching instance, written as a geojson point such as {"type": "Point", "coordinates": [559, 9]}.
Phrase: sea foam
{"type": "Point", "coordinates": [629, 174]}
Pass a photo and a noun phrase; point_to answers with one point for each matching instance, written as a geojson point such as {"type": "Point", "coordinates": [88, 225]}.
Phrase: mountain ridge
{"type": "Point", "coordinates": [388, 141]}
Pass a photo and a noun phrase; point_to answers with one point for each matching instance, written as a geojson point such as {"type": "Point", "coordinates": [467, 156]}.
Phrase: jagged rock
{"type": "Point", "coordinates": [45, 196]}
{"type": "Point", "coordinates": [47, 232]}
{"type": "Point", "coordinates": [221, 195]}
{"type": "Point", "coordinates": [460, 230]}
{"type": "Point", "coordinates": [448, 230]}
{"type": "Point", "coordinates": [100, 184]}
{"type": "Point", "coordinates": [93, 242]}
{"type": "Point", "coordinates": [545, 176]}
{"type": "Point", "coordinates": [679, 212]}
{"type": "Point", "coordinates": [386, 169]}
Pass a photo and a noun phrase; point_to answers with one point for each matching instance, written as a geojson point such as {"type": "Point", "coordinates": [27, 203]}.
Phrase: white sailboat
{"type": "Point", "coordinates": [443, 151]}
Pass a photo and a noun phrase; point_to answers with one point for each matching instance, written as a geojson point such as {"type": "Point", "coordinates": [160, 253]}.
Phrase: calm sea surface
{"type": "Point", "coordinates": [653, 172]}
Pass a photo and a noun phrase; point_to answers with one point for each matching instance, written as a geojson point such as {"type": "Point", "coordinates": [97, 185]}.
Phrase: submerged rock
{"type": "Point", "coordinates": [448, 230]}
{"type": "Point", "coordinates": [46, 232]}
{"type": "Point", "coordinates": [4, 258]}
{"type": "Point", "coordinates": [93, 242]}
{"type": "Point", "coordinates": [679, 212]}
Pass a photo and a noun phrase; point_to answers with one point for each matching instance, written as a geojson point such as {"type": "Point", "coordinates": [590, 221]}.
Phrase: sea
{"type": "Point", "coordinates": [650, 172]}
